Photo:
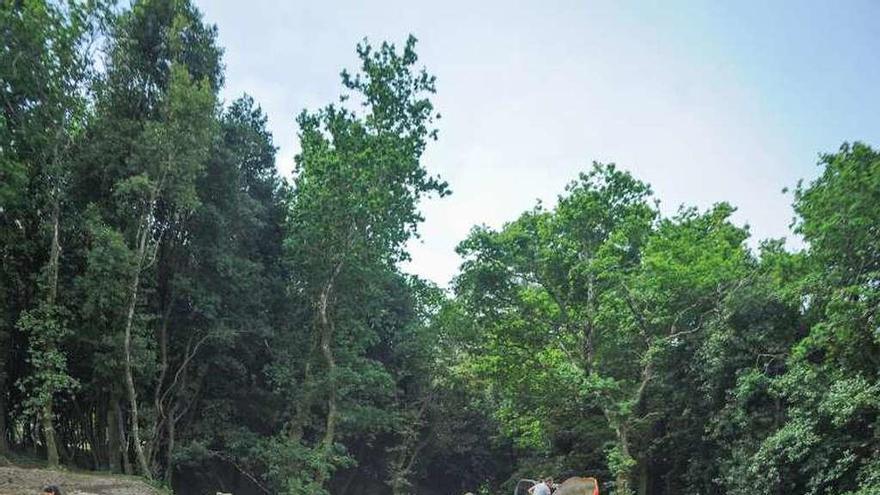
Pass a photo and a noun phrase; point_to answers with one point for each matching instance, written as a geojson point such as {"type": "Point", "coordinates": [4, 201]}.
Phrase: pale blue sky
{"type": "Point", "coordinates": [707, 101]}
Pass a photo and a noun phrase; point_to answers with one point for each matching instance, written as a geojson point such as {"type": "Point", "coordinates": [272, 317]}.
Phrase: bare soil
{"type": "Point", "coordinates": [30, 481]}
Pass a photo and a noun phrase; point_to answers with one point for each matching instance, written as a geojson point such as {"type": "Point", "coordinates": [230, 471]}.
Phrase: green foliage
{"type": "Point", "coordinates": [838, 213]}
{"type": "Point", "coordinates": [45, 329]}
{"type": "Point", "coordinates": [295, 468]}
{"type": "Point", "coordinates": [273, 343]}
{"type": "Point", "coordinates": [358, 178]}
{"type": "Point", "coordinates": [358, 181]}
{"type": "Point", "coordinates": [830, 386]}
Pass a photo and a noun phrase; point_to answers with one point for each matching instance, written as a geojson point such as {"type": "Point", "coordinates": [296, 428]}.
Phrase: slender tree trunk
{"type": "Point", "coordinates": [49, 434]}
{"type": "Point", "coordinates": [327, 351]}
{"type": "Point", "coordinates": [404, 468]}
{"type": "Point", "coordinates": [143, 234]}
{"type": "Point", "coordinates": [46, 412]}
{"type": "Point", "coordinates": [124, 441]}
{"type": "Point", "coordinates": [113, 439]}
{"type": "Point", "coordinates": [169, 454]}
{"type": "Point", "coordinates": [304, 405]}
{"type": "Point", "coordinates": [126, 460]}
{"type": "Point", "coordinates": [152, 453]}
{"type": "Point", "coordinates": [624, 478]}
{"type": "Point", "coordinates": [54, 253]}
{"type": "Point", "coordinates": [410, 448]}
{"type": "Point", "coordinates": [4, 442]}
{"type": "Point", "coordinates": [93, 432]}
{"type": "Point", "coordinates": [163, 361]}
{"type": "Point", "coordinates": [327, 328]}
{"type": "Point", "coordinates": [154, 447]}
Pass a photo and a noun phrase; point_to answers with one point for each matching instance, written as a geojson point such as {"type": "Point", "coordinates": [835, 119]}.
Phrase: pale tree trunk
{"type": "Point", "coordinates": [624, 478]}
{"type": "Point", "coordinates": [142, 241]}
{"type": "Point", "coordinates": [170, 406]}
{"type": "Point", "coordinates": [49, 434]}
{"type": "Point", "coordinates": [143, 234]}
{"type": "Point", "coordinates": [326, 330]}
{"type": "Point", "coordinates": [327, 351]}
{"type": "Point", "coordinates": [153, 448]}
{"type": "Point", "coordinates": [326, 339]}
{"type": "Point", "coordinates": [46, 412]}
{"type": "Point", "coordinates": [163, 366]}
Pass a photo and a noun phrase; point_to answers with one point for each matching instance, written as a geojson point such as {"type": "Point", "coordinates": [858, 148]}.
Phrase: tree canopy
{"type": "Point", "coordinates": [173, 307]}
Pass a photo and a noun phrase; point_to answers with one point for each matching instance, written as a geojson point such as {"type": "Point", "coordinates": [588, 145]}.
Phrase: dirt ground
{"type": "Point", "coordinates": [25, 481]}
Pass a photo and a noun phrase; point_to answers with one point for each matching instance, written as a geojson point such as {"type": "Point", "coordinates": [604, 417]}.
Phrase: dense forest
{"type": "Point", "coordinates": [172, 307]}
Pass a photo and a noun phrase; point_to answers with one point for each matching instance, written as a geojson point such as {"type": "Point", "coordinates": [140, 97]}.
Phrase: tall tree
{"type": "Point", "coordinates": [152, 136]}
{"type": "Point", "coordinates": [45, 64]}
{"type": "Point", "coordinates": [171, 154]}
{"type": "Point", "coordinates": [591, 303]}
{"type": "Point", "coordinates": [359, 178]}
{"type": "Point", "coordinates": [541, 287]}
{"type": "Point", "coordinates": [229, 287]}
{"type": "Point", "coordinates": [826, 435]}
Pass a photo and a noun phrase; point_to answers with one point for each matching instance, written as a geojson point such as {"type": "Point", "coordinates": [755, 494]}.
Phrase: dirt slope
{"type": "Point", "coordinates": [25, 481]}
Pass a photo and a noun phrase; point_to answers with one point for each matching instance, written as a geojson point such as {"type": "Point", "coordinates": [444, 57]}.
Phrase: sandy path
{"type": "Point", "coordinates": [23, 481]}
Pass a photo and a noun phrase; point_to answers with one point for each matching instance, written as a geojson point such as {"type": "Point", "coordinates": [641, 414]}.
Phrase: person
{"type": "Point", "coordinates": [542, 488]}
{"type": "Point", "coordinates": [51, 490]}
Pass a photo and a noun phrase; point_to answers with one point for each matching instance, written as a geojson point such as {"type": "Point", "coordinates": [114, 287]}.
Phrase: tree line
{"type": "Point", "coordinates": [172, 307]}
